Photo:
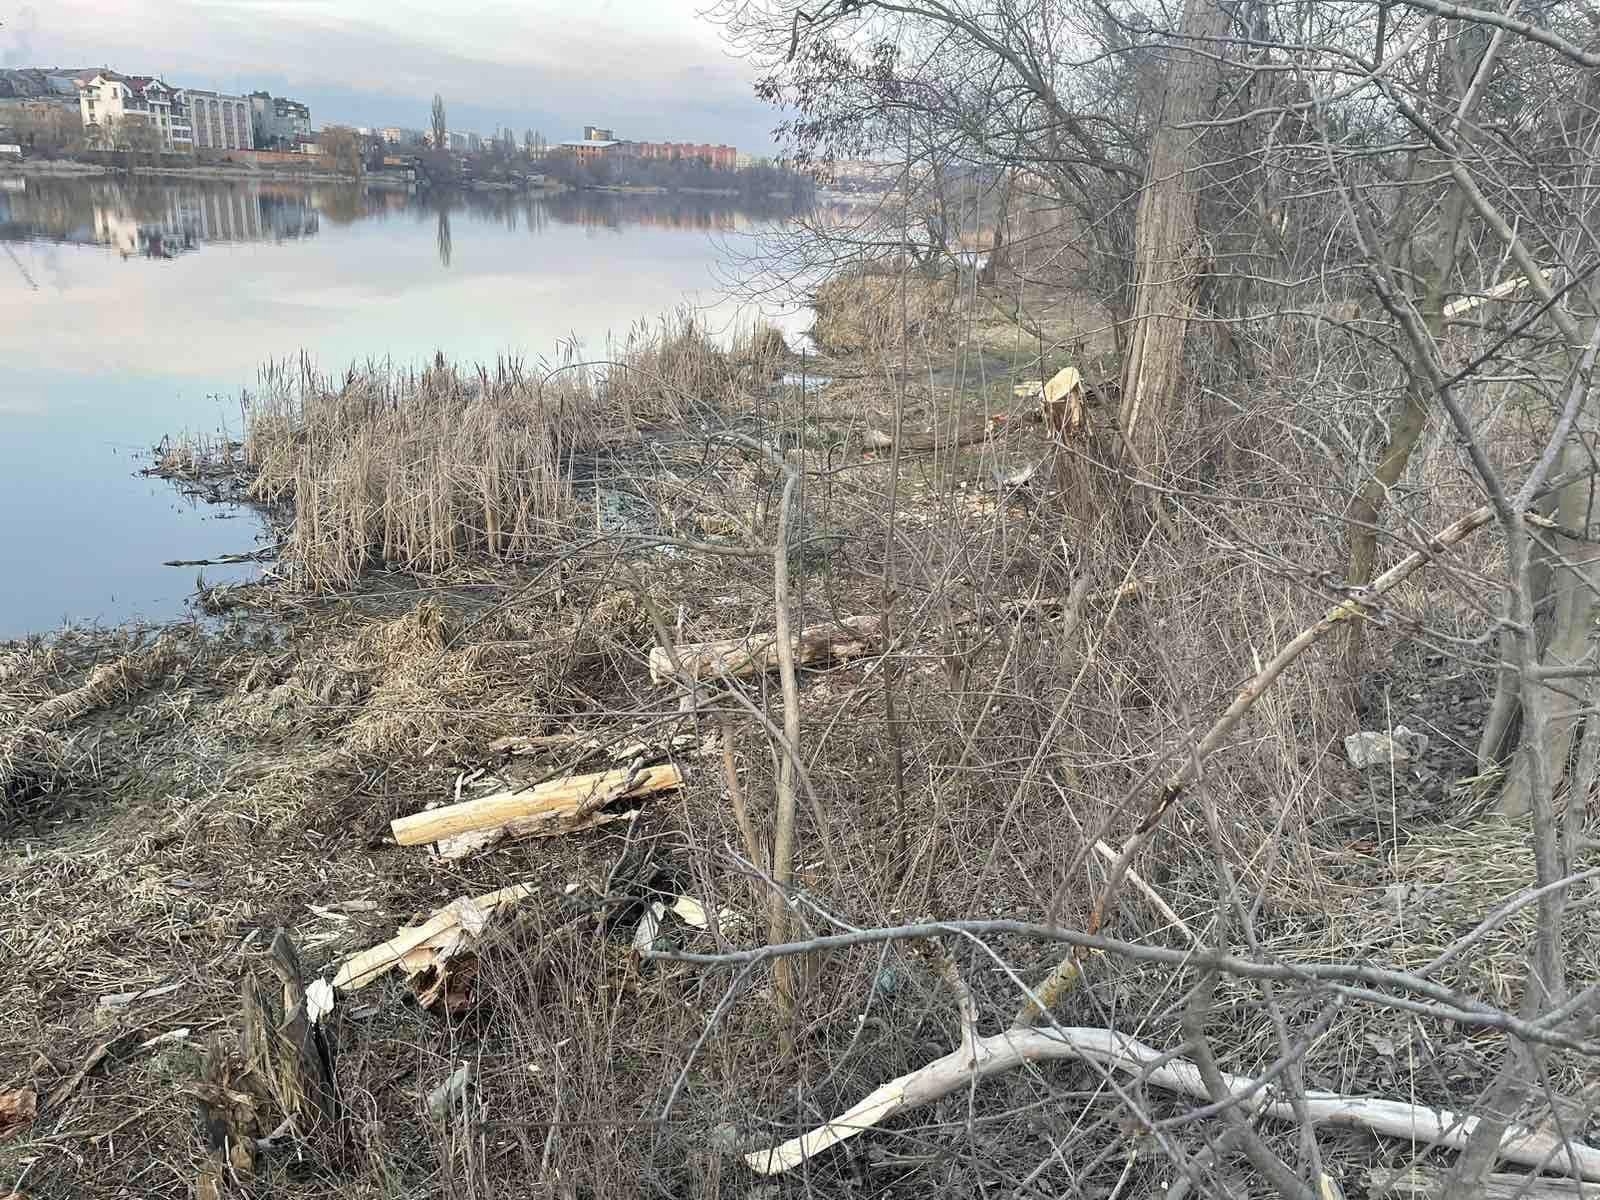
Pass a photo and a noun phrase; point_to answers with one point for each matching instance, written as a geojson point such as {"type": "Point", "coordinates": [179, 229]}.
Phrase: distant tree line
{"type": "Point", "coordinates": [758, 180]}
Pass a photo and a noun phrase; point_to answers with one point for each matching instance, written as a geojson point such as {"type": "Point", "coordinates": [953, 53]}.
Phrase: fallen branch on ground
{"type": "Point", "coordinates": [930, 439]}
{"type": "Point", "coordinates": [463, 916]}
{"type": "Point", "coordinates": [560, 806]}
{"type": "Point", "coordinates": [987, 1056]}
{"type": "Point", "coordinates": [849, 638]}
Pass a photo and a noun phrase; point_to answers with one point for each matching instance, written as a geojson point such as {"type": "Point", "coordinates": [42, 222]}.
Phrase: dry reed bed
{"type": "Point", "coordinates": [445, 467]}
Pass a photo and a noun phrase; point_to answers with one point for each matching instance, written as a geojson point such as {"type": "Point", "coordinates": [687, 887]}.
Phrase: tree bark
{"type": "Point", "coordinates": [1573, 585]}
{"type": "Point", "coordinates": [1406, 424]}
{"type": "Point", "coordinates": [1166, 255]}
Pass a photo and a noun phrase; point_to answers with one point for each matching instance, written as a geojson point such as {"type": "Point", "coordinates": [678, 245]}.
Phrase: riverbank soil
{"type": "Point", "coordinates": [475, 570]}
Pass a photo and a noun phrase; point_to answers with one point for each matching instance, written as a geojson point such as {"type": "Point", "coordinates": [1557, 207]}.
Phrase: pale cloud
{"type": "Point", "coordinates": [649, 68]}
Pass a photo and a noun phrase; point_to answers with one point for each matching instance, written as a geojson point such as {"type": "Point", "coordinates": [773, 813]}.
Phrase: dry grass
{"type": "Point", "coordinates": [419, 469]}
{"type": "Point", "coordinates": [859, 312]}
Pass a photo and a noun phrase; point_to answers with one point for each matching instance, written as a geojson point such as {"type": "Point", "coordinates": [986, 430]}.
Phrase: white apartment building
{"type": "Point", "coordinates": [220, 121]}
{"type": "Point", "coordinates": [108, 102]}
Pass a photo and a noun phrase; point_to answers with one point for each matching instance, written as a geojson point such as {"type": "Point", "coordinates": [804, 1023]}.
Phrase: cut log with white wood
{"type": "Point", "coordinates": [467, 914]}
{"type": "Point", "coordinates": [559, 806]}
{"type": "Point", "coordinates": [755, 655]}
{"type": "Point", "coordinates": [991, 1055]}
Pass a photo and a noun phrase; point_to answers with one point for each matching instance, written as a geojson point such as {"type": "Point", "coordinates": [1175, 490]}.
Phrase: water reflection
{"type": "Point", "coordinates": [150, 218]}
{"type": "Point", "coordinates": [442, 238]}
{"type": "Point", "coordinates": [164, 218]}
{"type": "Point", "coordinates": [106, 345]}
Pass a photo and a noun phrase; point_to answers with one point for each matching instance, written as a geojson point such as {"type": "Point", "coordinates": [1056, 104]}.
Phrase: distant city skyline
{"type": "Point", "coordinates": [650, 69]}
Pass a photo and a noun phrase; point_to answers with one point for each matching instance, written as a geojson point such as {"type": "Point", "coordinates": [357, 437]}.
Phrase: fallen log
{"type": "Point", "coordinates": [758, 654]}
{"type": "Point", "coordinates": [464, 916]}
{"type": "Point", "coordinates": [928, 439]}
{"type": "Point", "coordinates": [560, 806]}
{"type": "Point", "coordinates": [981, 1057]}
{"type": "Point", "coordinates": [850, 637]}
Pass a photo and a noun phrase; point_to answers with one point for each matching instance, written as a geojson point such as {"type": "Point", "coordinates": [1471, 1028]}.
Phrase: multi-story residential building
{"type": "Point", "coordinates": [394, 135]}
{"type": "Point", "coordinates": [181, 118]}
{"type": "Point", "coordinates": [278, 121]}
{"type": "Point", "coordinates": [110, 104]}
{"type": "Point", "coordinates": [220, 121]}
{"type": "Point", "coordinates": [598, 142]}
{"type": "Point", "coordinates": [589, 149]}
{"type": "Point", "coordinates": [724, 158]}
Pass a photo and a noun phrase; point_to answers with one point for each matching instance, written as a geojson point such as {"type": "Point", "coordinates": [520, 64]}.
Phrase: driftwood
{"type": "Point", "coordinates": [560, 806]}
{"type": "Point", "coordinates": [1419, 1183]}
{"type": "Point", "coordinates": [463, 917]}
{"type": "Point", "coordinates": [755, 655]}
{"type": "Point", "coordinates": [978, 1058]}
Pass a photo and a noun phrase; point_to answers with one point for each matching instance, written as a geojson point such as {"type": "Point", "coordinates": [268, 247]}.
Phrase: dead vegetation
{"type": "Point", "coordinates": [858, 312]}
{"type": "Point", "coordinates": [992, 660]}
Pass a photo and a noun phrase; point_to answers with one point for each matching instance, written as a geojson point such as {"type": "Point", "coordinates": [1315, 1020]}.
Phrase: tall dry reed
{"type": "Point", "coordinates": [434, 469]}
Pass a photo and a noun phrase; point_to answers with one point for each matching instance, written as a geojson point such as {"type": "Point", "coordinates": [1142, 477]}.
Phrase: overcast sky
{"type": "Point", "coordinates": [650, 69]}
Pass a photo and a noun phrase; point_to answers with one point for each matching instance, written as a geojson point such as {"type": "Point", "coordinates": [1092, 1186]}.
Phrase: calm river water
{"type": "Point", "coordinates": [133, 310]}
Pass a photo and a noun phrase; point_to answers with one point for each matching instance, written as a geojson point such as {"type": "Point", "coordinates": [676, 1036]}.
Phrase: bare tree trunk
{"type": "Point", "coordinates": [1166, 254]}
{"type": "Point", "coordinates": [1460, 76]}
{"type": "Point", "coordinates": [1573, 587]}
{"type": "Point", "coordinates": [788, 978]}
{"type": "Point", "coordinates": [1406, 423]}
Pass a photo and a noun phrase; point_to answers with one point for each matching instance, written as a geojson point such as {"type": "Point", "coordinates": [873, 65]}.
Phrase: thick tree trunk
{"type": "Point", "coordinates": [1573, 586]}
{"type": "Point", "coordinates": [1167, 256]}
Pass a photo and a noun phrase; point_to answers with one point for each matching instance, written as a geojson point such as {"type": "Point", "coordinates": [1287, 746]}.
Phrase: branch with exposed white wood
{"type": "Point", "coordinates": [1003, 1051]}
{"type": "Point", "coordinates": [560, 806]}
{"type": "Point", "coordinates": [467, 911]}
{"type": "Point", "coordinates": [1419, 1183]}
